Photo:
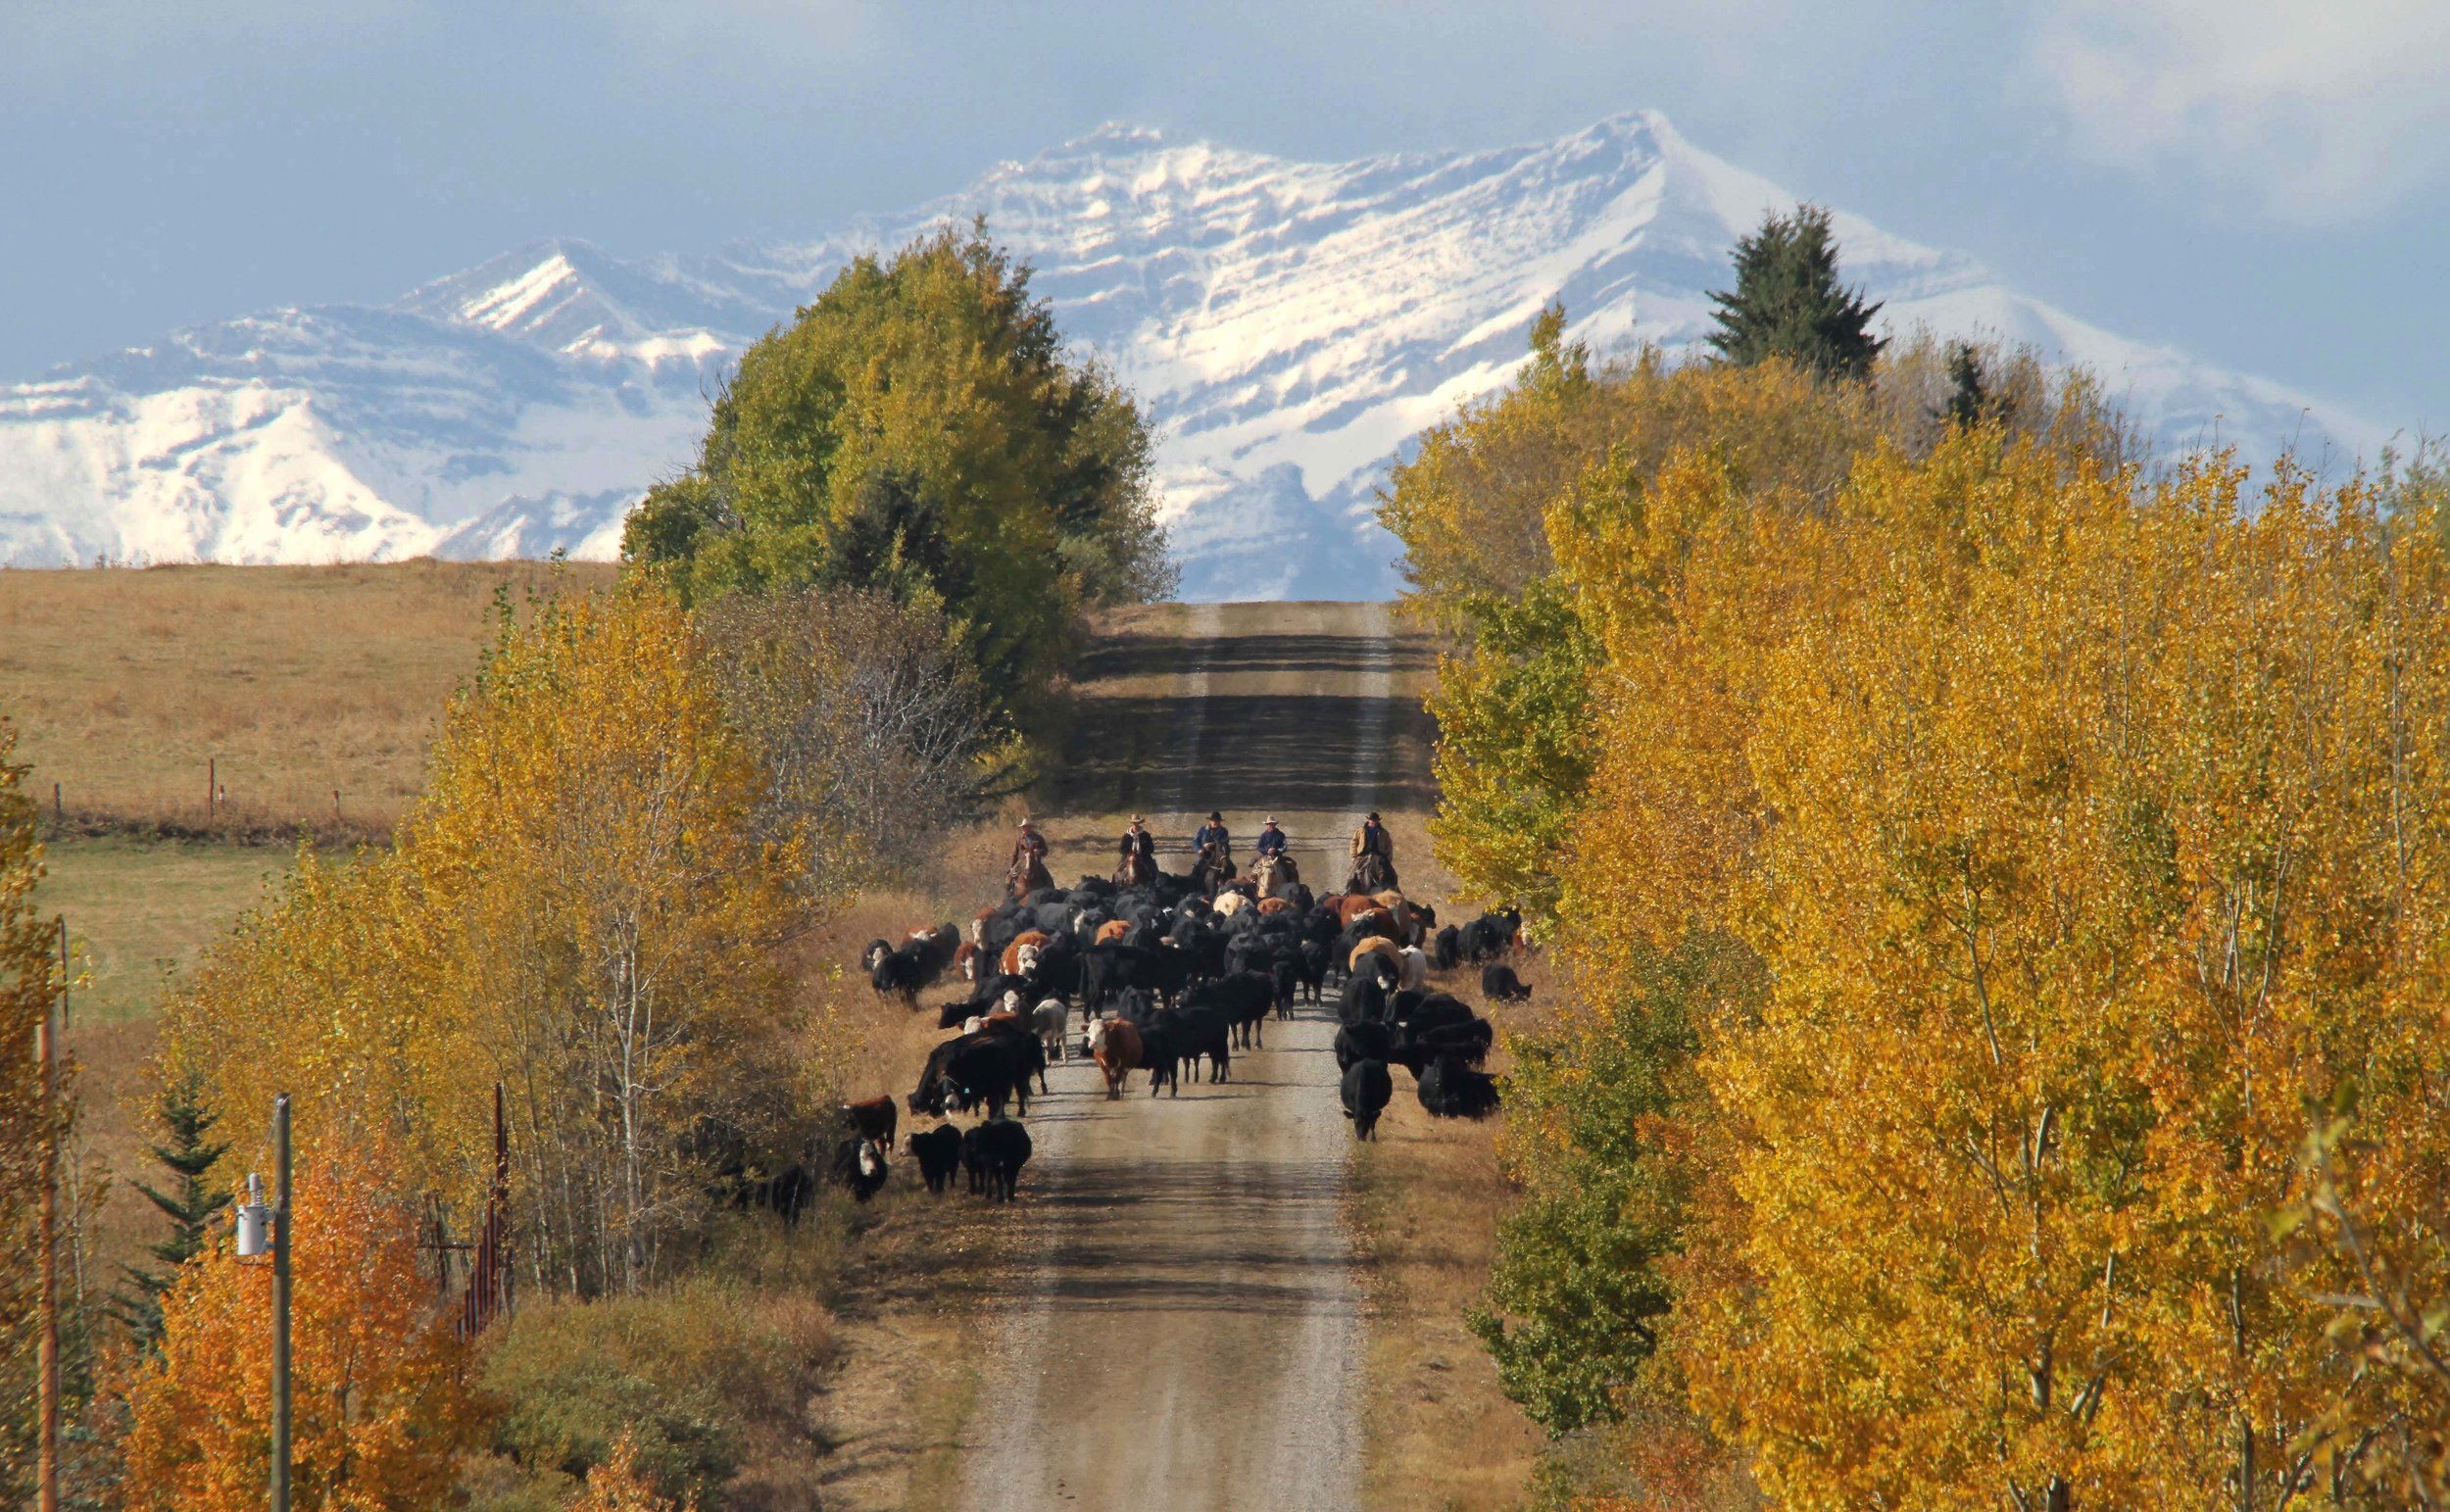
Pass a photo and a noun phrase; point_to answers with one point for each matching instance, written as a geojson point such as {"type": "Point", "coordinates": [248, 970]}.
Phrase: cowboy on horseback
{"type": "Point", "coordinates": [1273, 866]}
{"type": "Point", "coordinates": [1373, 858]}
{"type": "Point", "coordinates": [1139, 852]}
{"type": "Point", "coordinates": [1214, 845]}
{"type": "Point", "coordinates": [1028, 872]}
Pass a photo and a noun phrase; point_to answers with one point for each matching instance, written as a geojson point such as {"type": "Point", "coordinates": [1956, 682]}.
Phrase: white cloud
{"type": "Point", "coordinates": [2320, 109]}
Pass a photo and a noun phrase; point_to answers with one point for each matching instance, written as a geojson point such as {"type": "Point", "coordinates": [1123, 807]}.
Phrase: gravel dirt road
{"type": "Point", "coordinates": [1184, 1329]}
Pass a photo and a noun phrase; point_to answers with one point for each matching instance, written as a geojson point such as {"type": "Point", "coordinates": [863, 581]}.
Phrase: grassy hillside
{"type": "Point", "coordinates": [125, 683]}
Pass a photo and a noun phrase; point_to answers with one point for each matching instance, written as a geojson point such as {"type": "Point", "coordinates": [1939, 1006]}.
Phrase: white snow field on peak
{"type": "Point", "coordinates": [1289, 326]}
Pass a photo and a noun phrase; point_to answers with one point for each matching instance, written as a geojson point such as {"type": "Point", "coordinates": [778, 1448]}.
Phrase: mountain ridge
{"type": "Point", "coordinates": [1289, 325]}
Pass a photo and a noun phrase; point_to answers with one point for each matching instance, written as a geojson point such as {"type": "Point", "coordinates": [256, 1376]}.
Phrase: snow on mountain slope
{"type": "Point", "coordinates": [1289, 325]}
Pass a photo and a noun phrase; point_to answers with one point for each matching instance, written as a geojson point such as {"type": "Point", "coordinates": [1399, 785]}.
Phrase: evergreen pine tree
{"type": "Point", "coordinates": [1788, 301]}
{"type": "Point", "coordinates": [190, 1205]}
{"type": "Point", "coordinates": [1969, 400]}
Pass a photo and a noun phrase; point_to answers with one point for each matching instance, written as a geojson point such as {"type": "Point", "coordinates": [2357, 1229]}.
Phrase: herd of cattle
{"type": "Point", "coordinates": [1168, 980]}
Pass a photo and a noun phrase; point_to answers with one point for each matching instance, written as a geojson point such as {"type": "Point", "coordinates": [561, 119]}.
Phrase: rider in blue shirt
{"type": "Point", "coordinates": [1271, 838]}
{"type": "Point", "coordinates": [1212, 833]}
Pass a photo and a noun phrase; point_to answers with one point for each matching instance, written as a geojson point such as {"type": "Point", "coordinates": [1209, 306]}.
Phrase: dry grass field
{"type": "Point", "coordinates": [125, 683]}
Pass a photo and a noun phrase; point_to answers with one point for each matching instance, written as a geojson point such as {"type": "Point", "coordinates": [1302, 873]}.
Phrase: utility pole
{"type": "Point", "coordinates": [47, 1347]}
{"type": "Point", "coordinates": [281, 1304]}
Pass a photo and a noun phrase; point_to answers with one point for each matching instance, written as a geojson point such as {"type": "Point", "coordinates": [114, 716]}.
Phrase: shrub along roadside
{"type": "Point", "coordinates": [699, 1375]}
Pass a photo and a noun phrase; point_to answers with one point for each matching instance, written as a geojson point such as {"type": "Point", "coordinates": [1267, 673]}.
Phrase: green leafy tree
{"type": "Point", "coordinates": [920, 431]}
{"type": "Point", "coordinates": [188, 1153]}
{"type": "Point", "coordinates": [1788, 301]}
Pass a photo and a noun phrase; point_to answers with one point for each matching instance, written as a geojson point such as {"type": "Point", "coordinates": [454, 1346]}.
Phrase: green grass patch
{"type": "Point", "coordinates": [138, 910]}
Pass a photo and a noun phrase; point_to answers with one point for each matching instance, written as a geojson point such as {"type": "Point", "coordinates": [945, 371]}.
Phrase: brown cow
{"type": "Point", "coordinates": [1378, 921]}
{"type": "Point", "coordinates": [965, 963]}
{"type": "Point", "coordinates": [1377, 945]}
{"type": "Point", "coordinates": [1115, 1045]}
{"type": "Point", "coordinates": [871, 1119]}
{"type": "Point", "coordinates": [1034, 940]}
{"type": "Point", "coordinates": [1351, 906]}
{"type": "Point", "coordinates": [1112, 931]}
{"type": "Point", "coordinates": [1272, 905]}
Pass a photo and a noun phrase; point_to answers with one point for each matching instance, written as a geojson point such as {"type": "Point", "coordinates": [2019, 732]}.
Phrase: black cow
{"type": "Point", "coordinates": [1366, 1089]}
{"type": "Point", "coordinates": [939, 1154]}
{"type": "Point", "coordinates": [1437, 1010]}
{"type": "Point", "coordinates": [1287, 978]}
{"type": "Point", "coordinates": [1447, 949]}
{"type": "Point", "coordinates": [1313, 961]}
{"type": "Point", "coordinates": [995, 1153]}
{"type": "Point", "coordinates": [934, 950]}
{"type": "Point", "coordinates": [1362, 998]}
{"type": "Point", "coordinates": [1498, 983]}
{"type": "Point", "coordinates": [1368, 1040]}
{"type": "Point", "coordinates": [1469, 1044]}
{"type": "Point", "coordinates": [1159, 1057]}
{"type": "Point", "coordinates": [896, 974]}
{"type": "Point", "coordinates": [1244, 998]}
{"type": "Point", "coordinates": [1199, 1032]}
{"type": "Point", "coordinates": [1449, 1088]}
{"type": "Point", "coordinates": [1490, 936]}
{"type": "Point", "coordinates": [988, 1067]}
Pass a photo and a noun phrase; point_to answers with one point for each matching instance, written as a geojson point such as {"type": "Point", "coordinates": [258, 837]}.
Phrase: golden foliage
{"type": "Point", "coordinates": [29, 983]}
{"type": "Point", "coordinates": [582, 906]}
{"type": "Point", "coordinates": [381, 1405]}
{"type": "Point", "coordinates": [618, 1485]}
{"type": "Point", "coordinates": [2085, 836]}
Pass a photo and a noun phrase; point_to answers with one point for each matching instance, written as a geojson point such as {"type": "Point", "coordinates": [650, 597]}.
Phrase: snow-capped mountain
{"type": "Point", "coordinates": [1287, 325]}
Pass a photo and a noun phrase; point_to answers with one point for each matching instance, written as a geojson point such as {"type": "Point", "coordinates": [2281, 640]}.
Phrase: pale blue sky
{"type": "Point", "coordinates": [2246, 178]}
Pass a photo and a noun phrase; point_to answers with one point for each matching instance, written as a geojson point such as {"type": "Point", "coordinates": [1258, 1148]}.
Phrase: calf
{"type": "Point", "coordinates": [1159, 1058]}
{"type": "Point", "coordinates": [1366, 1089]}
{"type": "Point", "coordinates": [1411, 968]}
{"type": "Point", "coordinates": [1498, 983]}
{"type": "Point", "coordinates": [1449, 1088]}
{"type": "Point", "coordinates": [860, 1164]}
{"type": "Point", "coordinates": [1287, 978]}
{"type": "Point", "coordinates": [995, 1153]}
{"type": "Point", "coordinates": [1049, 1019]}
{"type": "Point", "coordinates": [1114, 1043]}
{"type": "Point", "coordinates": [939, 1154]}
{"type": "Point", "coordinates": [1447, 949]}
{"type": "Point", "coordinates": [1314, 956]}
